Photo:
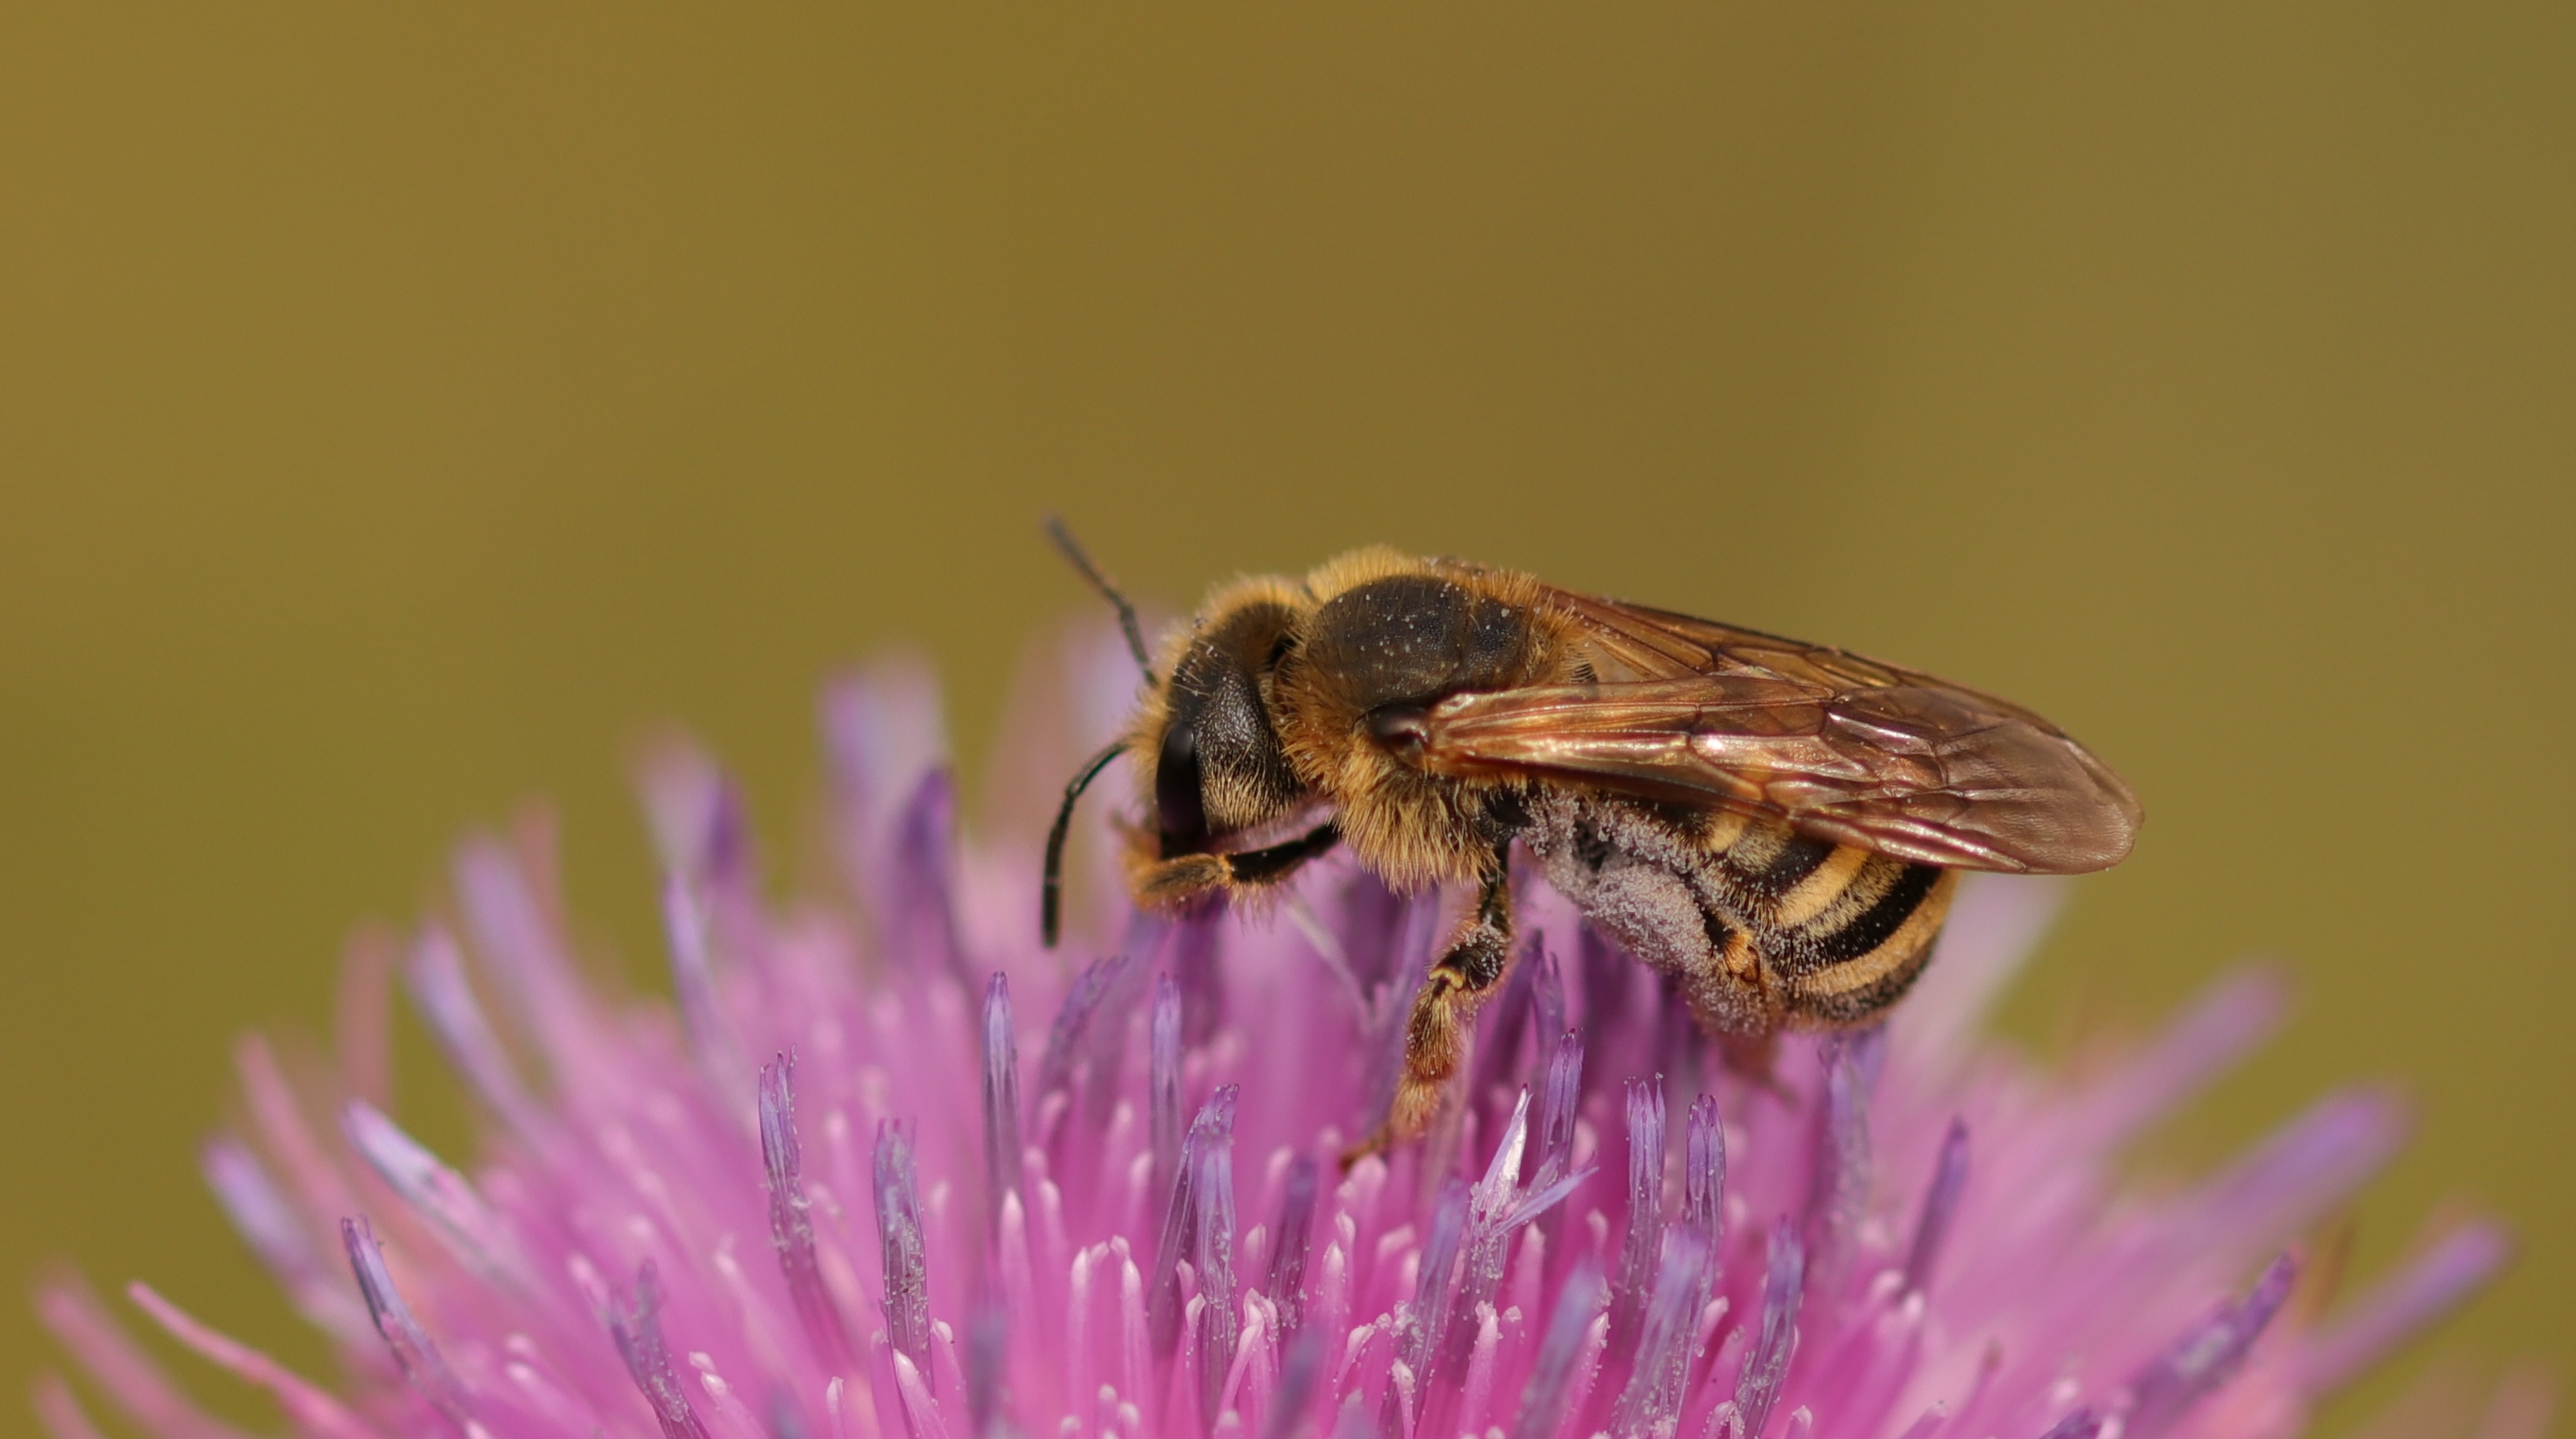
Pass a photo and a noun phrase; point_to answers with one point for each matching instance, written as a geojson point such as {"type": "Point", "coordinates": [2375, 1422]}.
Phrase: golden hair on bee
{"type": "Point", "coordinates": [1776, 825]}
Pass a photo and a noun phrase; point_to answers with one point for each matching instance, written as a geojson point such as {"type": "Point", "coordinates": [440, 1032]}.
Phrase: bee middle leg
{"type": "Point", "coordinates": [1435, 1033]}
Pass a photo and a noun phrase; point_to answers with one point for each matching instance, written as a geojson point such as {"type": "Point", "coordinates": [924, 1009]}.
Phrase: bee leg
{"type": "Point", "coordinates": [1435, 1034]}
{"type": "Point", "coordinates": [1171, 883]}
{"type": "Point", "coordinates": [1270, 866]}
{"type": "Point", "coordinates": [1167, 883]}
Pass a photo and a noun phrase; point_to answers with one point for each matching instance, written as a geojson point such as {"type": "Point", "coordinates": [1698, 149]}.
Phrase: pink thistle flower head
{"type": "Point", "coordinates": [891, 1171]}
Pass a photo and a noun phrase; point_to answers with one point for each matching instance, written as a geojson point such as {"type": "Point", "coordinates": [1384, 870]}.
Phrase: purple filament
{"type": "Point", "coordinates": [693, 986]}
{"type": "Point", "coordinates": [413, 1351]}
{"type": "Point", "coordinates": [1547, 997]}
{"type": "Point", "coordinates": [1211, 1157]}
{"type": "Point", "coordinates": [1421, 1323]}
{"type": "Point", "coordinates": [1651, 1405]}
{"type": "Point", "coordinates": [436, 978]}
{"type": "Point", "coordinates": [637, 1330]}
{"type": "Point", "coordinates": [1543, 1401]}
{"type": "Point", "coordinates": [1559, 1104]}
{"type": "Point", "coordinates": [1179, 1240]}
{"type": "Point", "coordinates": [988, 1344]}
{"type": "Point", "coordinates": [1083, 1004]}
{"type": "Point", "coordinates": [1164, 1084]}
{"type": "Point", "coordinates": [1001, 1100]}
{"type": "Point", "coordinates": [1287, 1284]}
{"type": "Point", "coordinates": [900, 1248]}
{"type": "Point", "coordinates": [1639, 1251]}
{"type": "Point", "coordinates": [1766, 1364]}
{"type": "Point", "coordinates": [1838, 1188]}
{"type": "Point", "coordinates": [1704, 1171]}
{"type": "Point", "coordinates": [2205, 1357]}
{"type": "Point", "coordinates": [1494, 1210]}
{"type": "Point", "coordinates": [1940, 1206]}
{"type": "Point", "coordinates": [924, 925]}
{"type": "Point", "coordinates": [1299, 1367]}
{"type": "Point", "coordinates": [791, 1224]}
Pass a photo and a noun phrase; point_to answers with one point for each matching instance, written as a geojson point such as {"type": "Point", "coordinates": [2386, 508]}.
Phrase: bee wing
{"type": "Point", "coordinates": [1845, 748]}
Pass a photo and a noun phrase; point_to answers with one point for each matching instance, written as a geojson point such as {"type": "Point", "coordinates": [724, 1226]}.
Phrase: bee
{"type": "Point", "coordinates": [1778, 826]}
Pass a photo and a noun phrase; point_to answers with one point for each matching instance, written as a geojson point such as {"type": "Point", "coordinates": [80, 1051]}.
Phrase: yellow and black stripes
{"type": "Point", "coordinates": [1841, 931]}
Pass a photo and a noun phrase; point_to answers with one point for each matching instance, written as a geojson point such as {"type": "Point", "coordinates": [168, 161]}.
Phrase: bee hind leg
{"type": "Point", "coordinates": [1435, 1034]}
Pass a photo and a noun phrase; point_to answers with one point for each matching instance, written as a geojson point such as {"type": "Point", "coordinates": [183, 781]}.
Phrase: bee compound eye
{"type": "Point", "coordinates": [1178, 810]}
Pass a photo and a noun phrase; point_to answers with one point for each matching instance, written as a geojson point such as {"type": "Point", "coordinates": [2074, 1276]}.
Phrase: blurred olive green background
{"type": "Point", "coordinates": [404, 408]}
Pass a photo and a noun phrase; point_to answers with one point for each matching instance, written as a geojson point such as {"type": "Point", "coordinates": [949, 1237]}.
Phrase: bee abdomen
{"type": "Point", "coordinates": [1844, 930]}
{"type": "Point", "coordinates": [1854, 970]}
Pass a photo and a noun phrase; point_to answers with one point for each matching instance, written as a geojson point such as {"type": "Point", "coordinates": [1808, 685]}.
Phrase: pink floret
{"type": "Point", "coordinates": [888, 1169]}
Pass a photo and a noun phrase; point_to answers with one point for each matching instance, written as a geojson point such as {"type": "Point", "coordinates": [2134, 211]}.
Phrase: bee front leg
{"type": "Point", "coordinates": [1435, 1034]}
{"type": "Point", "coordinates": [1171, 883]}
{"type": "Point", "coordinates": [1167, 883]}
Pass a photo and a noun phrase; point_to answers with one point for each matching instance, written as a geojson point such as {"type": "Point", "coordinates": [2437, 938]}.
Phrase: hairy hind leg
{"type": "Point", "coordinates": [1435, 1033]}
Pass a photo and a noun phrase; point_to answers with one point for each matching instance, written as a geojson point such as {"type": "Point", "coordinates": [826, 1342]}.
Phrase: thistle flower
{"type": "Point", "coordinates": [908, 1176]}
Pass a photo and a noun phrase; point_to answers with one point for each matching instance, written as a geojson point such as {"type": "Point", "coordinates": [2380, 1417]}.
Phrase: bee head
{"type": "Point", "coordinates": [1219, 768]}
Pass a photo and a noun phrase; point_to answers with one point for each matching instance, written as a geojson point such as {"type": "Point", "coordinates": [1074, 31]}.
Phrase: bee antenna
{"type": "Point", "coordinates": [1051, 897]}
{"type": "Point", "coordinates": [1072, 550]}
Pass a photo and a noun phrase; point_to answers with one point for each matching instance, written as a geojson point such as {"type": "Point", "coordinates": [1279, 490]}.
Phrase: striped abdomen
{"type": "Point", "coordinates": [1839, 932]}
